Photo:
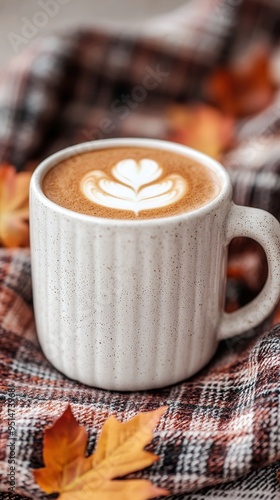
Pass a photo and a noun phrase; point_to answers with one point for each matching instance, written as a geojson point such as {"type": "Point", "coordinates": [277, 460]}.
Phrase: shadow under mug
{"type": "Point", "coordinates": [135, 305]}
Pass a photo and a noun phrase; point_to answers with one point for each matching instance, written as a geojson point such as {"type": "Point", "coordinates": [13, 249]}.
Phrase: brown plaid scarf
{"type": "Point", "coordinates": [222, 426]}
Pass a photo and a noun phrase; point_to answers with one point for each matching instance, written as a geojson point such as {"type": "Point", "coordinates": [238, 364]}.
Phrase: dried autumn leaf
{"type": "Point", "coordinates": [64, 454]}
{"type": "Point", "coordinates": [201, 127]}
{"type": "Point", "coordinates": [119, 451]}
{"type": "Point", "coordinates": [93, 489]}
{"type": "Point", "coordinates": [14, 209]}
{"type": "Point", "coordinates": [246, 86]}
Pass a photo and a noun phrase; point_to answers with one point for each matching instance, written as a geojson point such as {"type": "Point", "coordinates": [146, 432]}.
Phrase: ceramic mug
{"type": "Point", "coordinates": [133, 305]}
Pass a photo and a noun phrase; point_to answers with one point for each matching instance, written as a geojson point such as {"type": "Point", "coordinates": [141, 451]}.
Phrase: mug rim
{"type": "Point", "coordinates": [71, 151]}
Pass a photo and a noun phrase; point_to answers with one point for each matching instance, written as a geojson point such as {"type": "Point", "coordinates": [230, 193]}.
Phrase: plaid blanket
{"type": "Point", "coordinates": [222, 426]}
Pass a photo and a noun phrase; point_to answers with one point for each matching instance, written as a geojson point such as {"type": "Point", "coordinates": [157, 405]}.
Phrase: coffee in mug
{"type": "Point", "coordinates": [129, 243]}
{"type": "Point", "coordinates": [131, 183]}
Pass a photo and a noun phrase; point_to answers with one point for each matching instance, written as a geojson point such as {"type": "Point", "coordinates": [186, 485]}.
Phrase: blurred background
{"type": "Point", "coordinates": [204, 73]}
{"type": "Point", "coordinates": [121, 14]}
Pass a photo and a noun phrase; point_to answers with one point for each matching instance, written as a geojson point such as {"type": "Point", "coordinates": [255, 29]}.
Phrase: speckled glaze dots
{"type": "Point", "coordinates": [133, 305]}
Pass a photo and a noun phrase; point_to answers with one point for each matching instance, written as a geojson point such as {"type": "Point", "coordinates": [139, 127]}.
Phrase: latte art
{"type": "Point", "coordinates": [125, 189]}
{"type": "Point", "coordinates": [130, 183]}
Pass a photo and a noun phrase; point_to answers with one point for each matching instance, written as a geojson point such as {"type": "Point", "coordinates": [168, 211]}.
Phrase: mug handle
{"type": "Point", "coordinates": [265, 229]}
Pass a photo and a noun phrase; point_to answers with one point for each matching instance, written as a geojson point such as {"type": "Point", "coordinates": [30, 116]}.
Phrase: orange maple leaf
{"type": "Point", "coordinates": [119, 451]}
{"type": "Point", "coordinates": [14, 207]}
{"type": "Point", "coordinates": [246, 86]}
{"type": "Point", "coordinates": [201, 127]}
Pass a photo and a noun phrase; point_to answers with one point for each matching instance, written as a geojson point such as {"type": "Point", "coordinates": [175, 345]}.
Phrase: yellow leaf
{"type": "Point", "coordinates": [129, 489]}
{"type": "Point", "coordinates": [14, 208]}
{"type": "Point", "coordinates": [119, 451]}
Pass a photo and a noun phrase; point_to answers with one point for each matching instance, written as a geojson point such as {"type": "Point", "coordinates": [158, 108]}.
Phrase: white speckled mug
{"type": "Point", "coordinates": [132, 305]}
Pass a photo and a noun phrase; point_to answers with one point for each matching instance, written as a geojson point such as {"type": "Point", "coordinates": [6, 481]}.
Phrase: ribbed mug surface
{"type": "Point", "coordinates": [138, 304]}
{"type": "Point", "coordinates": [127, 306]}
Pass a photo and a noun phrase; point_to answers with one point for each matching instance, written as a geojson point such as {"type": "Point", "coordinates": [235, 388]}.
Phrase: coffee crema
{"type": "Point", "coordinates": [131, 183]}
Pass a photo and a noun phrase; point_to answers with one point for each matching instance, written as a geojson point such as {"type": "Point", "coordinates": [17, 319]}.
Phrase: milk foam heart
{"type": "Point", "coordinates": [125, 189]}
{"type": "Point", "coordinates": [131, 183]}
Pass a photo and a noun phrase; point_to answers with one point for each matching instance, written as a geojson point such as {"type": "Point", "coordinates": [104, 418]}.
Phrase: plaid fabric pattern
{"type": "Point", "coordinates": [62, 90]}
{"type": "Point", "coordinates": [223, 423]}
